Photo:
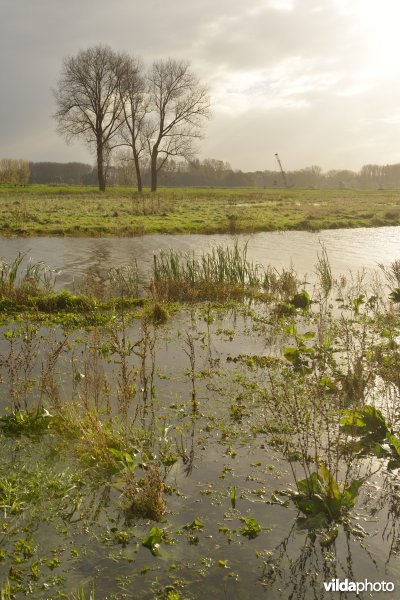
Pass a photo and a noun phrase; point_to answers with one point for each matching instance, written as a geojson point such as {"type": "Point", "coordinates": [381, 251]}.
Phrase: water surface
{"type": "Point", "coordinates": [348, 249]}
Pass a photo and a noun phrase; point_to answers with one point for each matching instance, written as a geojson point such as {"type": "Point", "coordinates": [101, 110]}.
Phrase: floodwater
{"type": "Point", "coordinates": [348, 249]}
{"type": "Point", "coordinates": [223, 445]}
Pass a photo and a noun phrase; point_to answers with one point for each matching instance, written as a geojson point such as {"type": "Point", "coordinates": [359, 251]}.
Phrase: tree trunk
{"type": "Point", "coordinates": [154, 156]}
{"type": "Point", "coordinates": [100, 166]}
{"type": "Point", "coordinates": [138, 174]}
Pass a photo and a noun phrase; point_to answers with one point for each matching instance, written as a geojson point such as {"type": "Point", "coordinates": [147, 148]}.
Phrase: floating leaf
{"type": "Point", "coordinates": [194, 526]}
{"type": "Point", "coordinates": [153, 540]}
{"type": "Point", "coordinates": [251, 527]}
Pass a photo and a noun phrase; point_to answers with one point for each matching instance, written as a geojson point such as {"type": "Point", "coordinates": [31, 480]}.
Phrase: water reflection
{"type": "Point", "coordinates": [300, 570]}
{"type": "Point", "coordinates": [202, 418]}
{"type": "Point", "coordinates": [75, 257]}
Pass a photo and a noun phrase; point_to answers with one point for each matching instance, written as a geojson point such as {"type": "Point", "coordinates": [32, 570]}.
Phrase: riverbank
{"type": "Point", "coordinates": [83, 211]}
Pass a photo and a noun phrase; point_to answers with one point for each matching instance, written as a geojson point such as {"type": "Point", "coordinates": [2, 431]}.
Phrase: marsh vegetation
{"type": "Point", "coordinates": [233, 431]}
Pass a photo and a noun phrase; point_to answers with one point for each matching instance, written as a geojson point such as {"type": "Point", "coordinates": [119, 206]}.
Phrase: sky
{"type": "Point", "coordinates": [317, 81]}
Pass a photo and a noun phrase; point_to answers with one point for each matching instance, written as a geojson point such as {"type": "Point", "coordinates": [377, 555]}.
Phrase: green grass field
{"type": "Point", "coordinates": [83, 211]}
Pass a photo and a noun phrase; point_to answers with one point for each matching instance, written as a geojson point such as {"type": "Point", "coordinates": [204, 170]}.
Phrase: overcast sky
{"type": "Point", "coordinates": [316, 80]}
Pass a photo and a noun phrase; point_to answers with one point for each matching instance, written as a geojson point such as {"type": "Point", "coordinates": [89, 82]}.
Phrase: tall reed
{"type": "Point", "coordinates": [219, 265]}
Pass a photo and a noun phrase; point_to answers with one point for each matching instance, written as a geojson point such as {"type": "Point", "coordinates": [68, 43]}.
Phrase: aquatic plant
{"type": "Point", "coordinates": [391, 272]}
{"type": "Point", "coordinates": [322, 500]}
{"type": "Point", "coordinates": [144, 496]}
{"type": "Point", "coordinates": [81, 594]}
{"type": "Point", "coordinates": [219, 265]}
{"type": "Point", "coordinates": [158, 314]}
{"type": "Point", "coordinates": [222, 272]}
{"type": "Point", "coordinates": [324, 271]}
{"type": "Point", "coordinates": [5, 591]}
{"type": "Point", "coordinates": [318, 387]}
{"type": "Point", "coordinates": [30, 423]}
{"type": "Point", "coordinates": [251, 527]}
{"type": "Point", "coordinates": [124, 281]}
{"type": "Point", "coordinates": [375, 435]}
{"type": "Point", "coordinates": [153, 540]}
{"type": "Point", "coordinates": [18, 283]}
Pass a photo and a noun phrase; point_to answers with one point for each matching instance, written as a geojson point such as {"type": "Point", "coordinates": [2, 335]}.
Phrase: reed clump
{"type": "Point", "coordinates": [144, 497]}
{"type": "Point", "coordinates": [30, 286]}
{"type": "Point", "coordinates": [158, 314]}
{"type": "Point", "coordinates": [19, 283]}
{"type": "Point", "coordinates": [221, 273]}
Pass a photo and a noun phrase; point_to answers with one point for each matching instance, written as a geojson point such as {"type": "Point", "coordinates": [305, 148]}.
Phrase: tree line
{"type": "Point", "coordinates": [111, 101]}
{"type": "Point", "coordinates": [14, 171]}
{"type": "Point", "coordinates": [206, 173]}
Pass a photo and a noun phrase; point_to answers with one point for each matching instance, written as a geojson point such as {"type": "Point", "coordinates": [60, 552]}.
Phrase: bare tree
{"type": "Point", "coordinates": [15, 171]}
{"type": "Point", "coordinates": [179, 104]}
{"type": "Point", "coordinates": [88, 101]}
{"type": "Point", "coordinates": [132, 87]}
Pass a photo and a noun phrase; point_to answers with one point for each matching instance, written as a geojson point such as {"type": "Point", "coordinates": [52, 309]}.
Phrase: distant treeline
{"type": "Point", "coordinates": [73, 173]}
{"type": "Point", "coordinates": [14, 171]}
{"type": "Point", "coordinates": [207, 172]}
{"type": "Point", "coordinates": [217, 173]}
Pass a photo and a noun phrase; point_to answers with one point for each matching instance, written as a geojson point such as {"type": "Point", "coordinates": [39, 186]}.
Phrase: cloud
{"type": "Point", "coordinates": [315, 80]}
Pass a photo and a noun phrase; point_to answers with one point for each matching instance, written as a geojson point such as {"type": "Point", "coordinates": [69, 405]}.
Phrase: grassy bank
{"type": "Point", "coordinates": [83, 211]}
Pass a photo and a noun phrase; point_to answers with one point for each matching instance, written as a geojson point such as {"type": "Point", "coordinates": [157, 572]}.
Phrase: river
{"type": "Point", "coordinates": [348, 249]}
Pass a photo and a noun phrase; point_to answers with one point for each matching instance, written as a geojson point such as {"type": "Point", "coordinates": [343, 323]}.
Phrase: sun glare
{"type": "Point", "coordinates": [379, 24]}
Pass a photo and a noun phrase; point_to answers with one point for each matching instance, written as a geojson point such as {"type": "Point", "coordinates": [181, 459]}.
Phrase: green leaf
{"type": "Point", "coordinates": [291, 354]}
{"type": "Point", "coordinates": [310, 506]}
{"type": "Point", "coordinates": [169, 460]}
{"type": "Point", "coordinates": [394, 442]}
{"type": "Point", "coordinates": [366, 420]}
{"type": "Point", "coordinates": [358, 302]}
{"type": "Point", "coordinates": [125, 460]}
{"type": "Point", "coordinates": [301, 300]}
{"type": "Point", "coordinates": [328, 537]}
{"type": "Point", "coordinates": [309, 335]}
{"type": "Point", "coordinates": [251, 529]}
{"type": "Point", "coordinates": [194, 526]}
{"type": "Point", "coordinates": [331, 485]}
{"type": "Point", "coordinates": [233, 497]}
{"type": "Point", "coordinates": [153, 540]}
{"type": "Point", "coordinates": [122, 456]}
{"type": "Point", "coordinates": [351, 492]}
{"type": "Point", "coordinates": [395, 295]}
{"type": "Point", "coordinates": [313, 522]}
{"type": "Point", "coordinates": [310, 485]}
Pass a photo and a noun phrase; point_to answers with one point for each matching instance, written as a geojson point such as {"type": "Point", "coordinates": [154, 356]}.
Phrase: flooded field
{"type": "Point", "coordinates": [74, 257]}
{"type": "Point", "coordinates": [243, 446]}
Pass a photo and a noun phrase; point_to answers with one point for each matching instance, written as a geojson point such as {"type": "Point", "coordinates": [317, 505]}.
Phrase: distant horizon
{"type": "Point", "coordinates": [234, 169]}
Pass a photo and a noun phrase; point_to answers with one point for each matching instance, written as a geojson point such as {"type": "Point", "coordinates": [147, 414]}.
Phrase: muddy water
{"type": "Point", "coordinates": [215, 450]}
{"type": "Point", "coordinates": [347, 249]}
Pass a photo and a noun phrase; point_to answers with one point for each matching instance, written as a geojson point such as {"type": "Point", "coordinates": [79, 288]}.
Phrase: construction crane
{"type": "Point", "coordinates": [281, 170]}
